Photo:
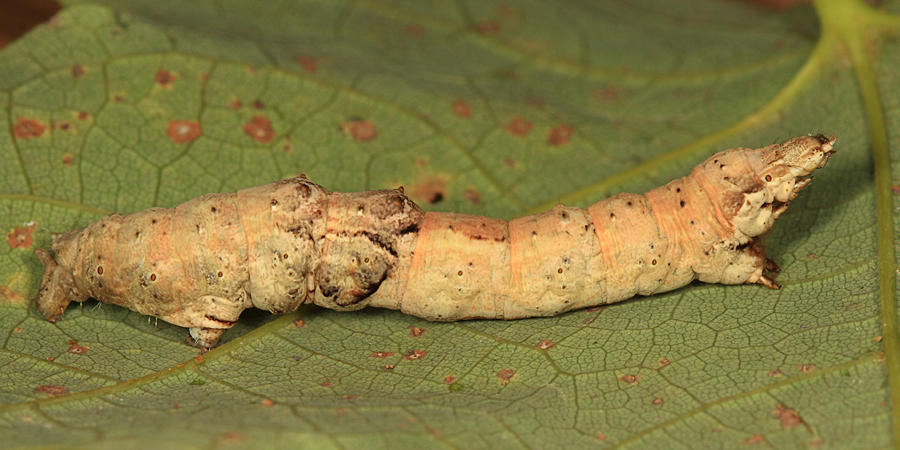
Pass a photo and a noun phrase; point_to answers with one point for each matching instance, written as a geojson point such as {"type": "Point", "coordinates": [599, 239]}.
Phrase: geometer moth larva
{"type": "Point", "coordinates": [279, 246]}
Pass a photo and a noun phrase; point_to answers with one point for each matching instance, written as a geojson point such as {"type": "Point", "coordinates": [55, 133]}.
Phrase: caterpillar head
{"type": "Point", "coordinates": [777, 174]}
{"type": "Point", "coordinates": [788, 164]}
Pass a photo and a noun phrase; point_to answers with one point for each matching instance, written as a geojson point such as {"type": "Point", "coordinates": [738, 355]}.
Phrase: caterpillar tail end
{"type": "Point", "coordinates": [57, 288]}
{"type": "Point", "coordinates": [51, 301]}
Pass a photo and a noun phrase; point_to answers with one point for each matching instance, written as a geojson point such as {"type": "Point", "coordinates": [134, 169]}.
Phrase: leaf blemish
{"type": "Point", "coordinates": [519, 127]}
{"type": "Point", "coordinates": [431, 190]}
{"type": "Point", "coordinates": [183, 131]}
{"type": "Point", "coordinates": [462, 109]}
{"type": "Point", "coordinates": [51, 389]}
{"type": "Point", "coordinates": [505, 376]}
{"type": "Point", "coordinates": [415, 355]}
{"type": "Point", "coordinates": [560, 135]}
{"type": "Point", "coordinates": [308, 63]}
{"type": "Point", "coordinates": [164, 78]}
{"type": "Point", "coordinates": [21, 237]}
{"type": "Point", "coordinates": [26, 128]}
{"type": "Point", "coordinates": [360, 129]}
{"type": "Point", "coordinates": [260, 129]}
{"type": "Point", "coordinates": [472, 196]}
{"type": "Point", "coordinates": [76, 349]}
{"type": "Point", "coordinates": [488, 27]}
{"type": "Point", "coordinates": [415, 30]}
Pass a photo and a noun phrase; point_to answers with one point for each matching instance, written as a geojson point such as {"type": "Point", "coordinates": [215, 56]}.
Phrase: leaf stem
{"type": "Point", "coordinates": [848, 20]}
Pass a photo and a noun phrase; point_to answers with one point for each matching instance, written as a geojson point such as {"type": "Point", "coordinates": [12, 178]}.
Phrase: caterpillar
{"type": "Point", "coordinates": [289, 243]}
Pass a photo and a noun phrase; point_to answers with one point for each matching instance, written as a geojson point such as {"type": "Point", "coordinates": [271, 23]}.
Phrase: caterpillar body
{"type": "Point", "coordinates": [292, 242]}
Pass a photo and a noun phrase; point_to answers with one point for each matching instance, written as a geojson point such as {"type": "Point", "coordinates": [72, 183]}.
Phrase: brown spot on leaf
{"type": "Point", "coordinates": [18, 330]}
{"type": "Point", "coordinates": [601, 437]}
{"type": "Point", "coordinates": [509, 162]}
{"type": "Point", "coordinates": [232, 437]}
{"type": "Point", "coordinates": [299, 323]}
{"type": "Point", "coordinates": [472, 196]}
{"type": "Point", "coordinates": [806, 368]}
{"type": "Point", "coordinates": [534, 101]}
{"type": "Point", "coordinates": [755, 439]}
{"type": "Point", "coordinates": [510, 74]}
{"type": "Point", "coordinates": [895, 188]}
{"type": "Point", "coordinates": [359, 129]}
{"type": "Point", "coordinates": [788, 417]}
{"type": "Point", "coordinates": [381, 354]}
{"type": "Point", "coordinates": [560, 135]}
{"type": "Point", "coordinates": [51, 389]}
{"type": "Point", "coordinates": [488, 27]}
{"type": "Point", "coordinates": [462, 109]}
{"type": "Point", "coordinates": [258, 104]}
{"type": "Point", "coordinates": [62, 125]}
{"type": "Point", "coordinates": [83, 115]}
{"type": "Point", "coordinates": [28, 128]}
{"type": "Point", "coordinates": [308, 63]}
{"type": "Point", "coordinates": [415, 331]}
{"type": "Point", "coordinates": [589, 320]}
{"type": "Point", "coordinates": [9, 295]}
{"type": "Point", "coordinates": [164, 78]}
{"type": "Point", "coordinates": [326, 384]}
{"type": "Point", "coordinates": [817, 442]}
{"type": "Point", "coordinates": [118, 98]}
{"type": "Point", "coordinates": [506, 11]}
{"type": "Point", "coordinates": [657, 401]}
{"type": "Point", "coordinates": [415, 30]}
{"type": "Point", "coordinates": [235, 104]}
{"type": "Point", "coordinates": [198, 359]}
{"type": "Point", "coordinates": [505, 375]}
{"type": "Point", "coordinates": [774, 373]}
{"type": "Point", "coordinates": [546, 344]}
{"type": "Point", "coordinates": [450, 379]}
{"type": "Point", "coordinates": [414, 355]}
{"type": "Point", "coordinates": [431, 190]}
{"type": "Point", "coordinates": [260, 129]}
{"type": "Point", "coordinates": [519, 126]}
{"type": "Point", "coordinates": [183, 131]}
{"type": "Point", "coordinates": [267, 402]}
{"type": "Point", "coordinates": [606, 94]}
{"type": "Point", "coordinates": [78, 70]}
{"type": "Point", "coordinates": [663, 362]}
{"type": "Point", "coordinates": [629, 378]}
{"type": "Point", "coordinates": [21, 237]}
{"type": "Point", "coordinates": [76, 349]}
{"type": "Point", "coordinates": [878, 338]}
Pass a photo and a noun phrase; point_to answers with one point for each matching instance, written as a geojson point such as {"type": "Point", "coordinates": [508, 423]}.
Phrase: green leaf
{"type": "Point", "coordinates": [152, 103]}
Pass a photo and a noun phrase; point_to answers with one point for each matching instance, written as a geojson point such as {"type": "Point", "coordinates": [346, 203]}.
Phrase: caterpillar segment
{"type": "Point", "coordinates": [279, 246]}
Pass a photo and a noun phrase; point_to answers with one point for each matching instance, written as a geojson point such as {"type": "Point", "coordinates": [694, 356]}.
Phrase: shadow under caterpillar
{"type": "Point", "coordinates": [292, 242]}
